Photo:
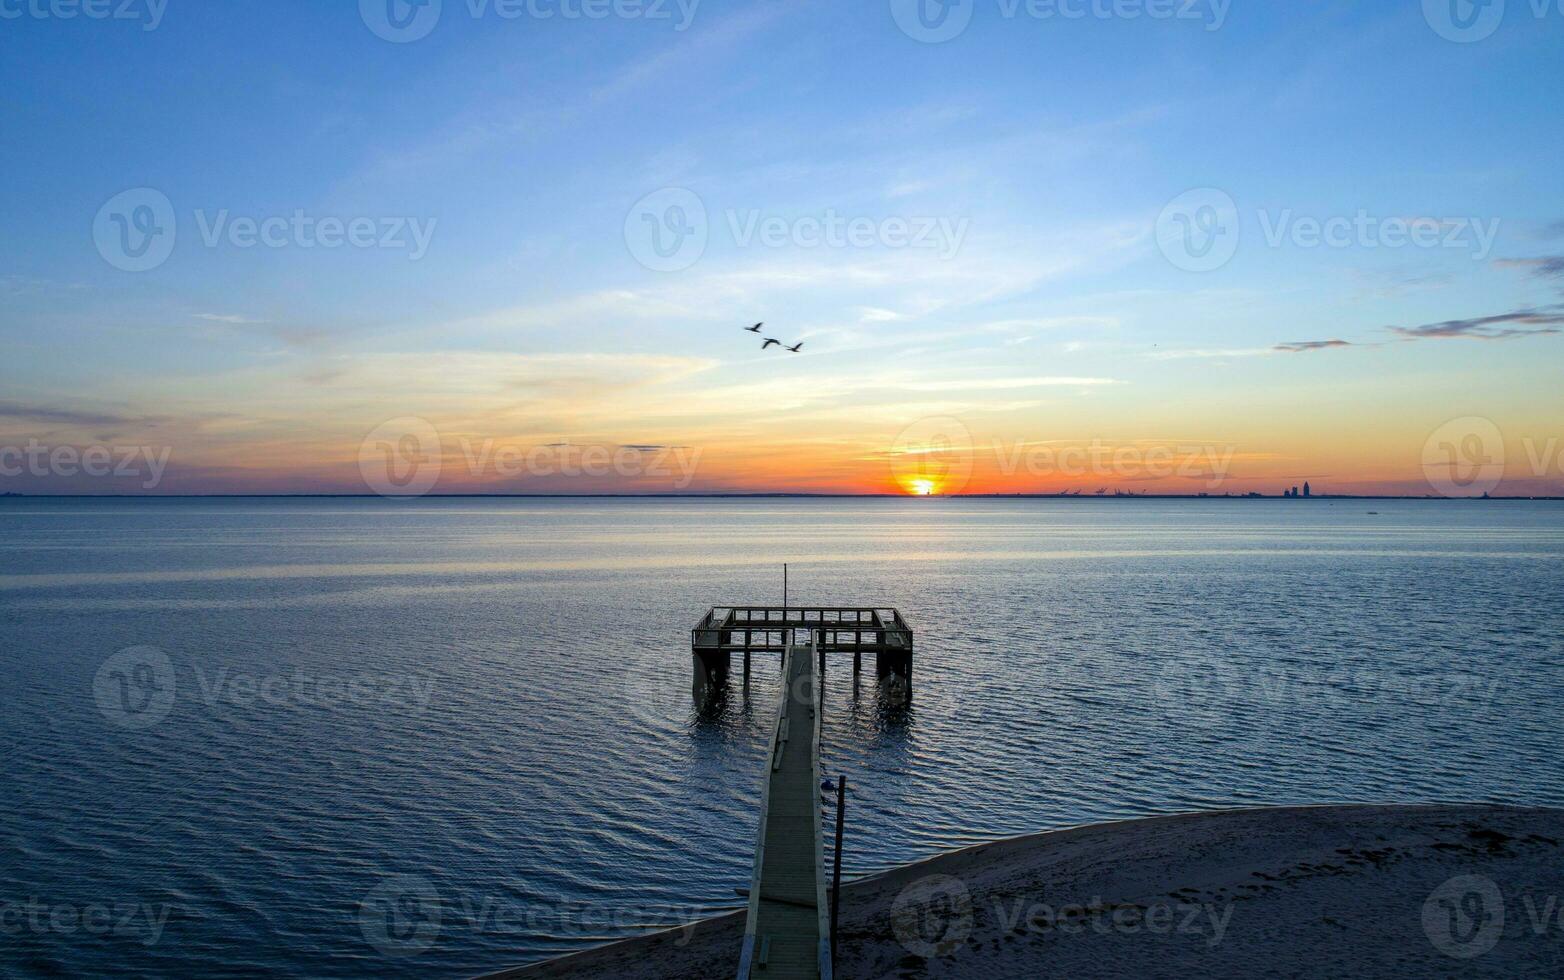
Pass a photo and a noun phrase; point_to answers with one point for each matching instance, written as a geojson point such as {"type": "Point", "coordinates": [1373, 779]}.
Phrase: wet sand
{"type": "Point", "coordinates": [1329, 891]}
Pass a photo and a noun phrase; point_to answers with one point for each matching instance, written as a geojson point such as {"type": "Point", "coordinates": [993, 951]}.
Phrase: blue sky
{"type": "Point", "coordinates": [1040, 150]}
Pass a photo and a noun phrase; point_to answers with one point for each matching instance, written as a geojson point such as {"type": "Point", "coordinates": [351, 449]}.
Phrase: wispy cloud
{"type": "Point", "coordinates": [714, 42]}
{"type": "Point", "coordinates": [1190, 353]}
{"type": "Point", "coordinates": [1531, 323]}
{"type": "Point", "coordinates": [1000, 384]}
{"type": "Point", "coordinates": [62, 415]}
{"type": "Point", "coordinates": [1547, 267]}
{"type": "Point", "coordinates": [11, 285]}
{"type": "Point", "coordinates": [1393, 283]}
{"type": "Point", "coordinates": [233, 318]}
{"type": "Point", "coordinates": [1304, 346]}
{"type": "Point", "coordinates": [873, 314]}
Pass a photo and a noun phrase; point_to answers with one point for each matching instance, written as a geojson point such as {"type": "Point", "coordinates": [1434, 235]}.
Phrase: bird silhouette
{"type": "Point", "coordinates": [798, 347]}
{"type": "Point", "coordinates": [769, 342]}
{"type": "Point", "coordinates": [755, 328]}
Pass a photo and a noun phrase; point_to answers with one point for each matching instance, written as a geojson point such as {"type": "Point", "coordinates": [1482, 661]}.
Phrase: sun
{"type": "Point", "coordinates": [921, 488]}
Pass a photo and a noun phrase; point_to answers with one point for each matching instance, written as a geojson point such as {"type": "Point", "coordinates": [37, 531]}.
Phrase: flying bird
{"type": "Point", "coordinates": [798, 347]}
{"type": "Point", "coordinates": [755, 328]}
{"type": "Point", "coordinates": [769, 342]}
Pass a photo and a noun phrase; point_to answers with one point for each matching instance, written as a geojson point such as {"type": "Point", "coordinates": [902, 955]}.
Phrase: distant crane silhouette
{"type": "Point", "coordinates": [769, 342]}
{"type": "Point", "coordinates": [755, 328]}
{"type": "Point", "coordinates": [799, 346]}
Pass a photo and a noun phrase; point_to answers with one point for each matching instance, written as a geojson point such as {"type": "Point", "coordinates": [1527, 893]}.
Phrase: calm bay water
{"type": "Point", "coordinates": [440, 737]}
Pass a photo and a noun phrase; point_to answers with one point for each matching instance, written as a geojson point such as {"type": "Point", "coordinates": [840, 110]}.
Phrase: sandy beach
{"type": "Point", "coordinates": [1328, 891]}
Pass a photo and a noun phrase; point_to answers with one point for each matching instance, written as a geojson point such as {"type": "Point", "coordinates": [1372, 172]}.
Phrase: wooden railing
{"type": "Point", "coordinates": [837, 628]}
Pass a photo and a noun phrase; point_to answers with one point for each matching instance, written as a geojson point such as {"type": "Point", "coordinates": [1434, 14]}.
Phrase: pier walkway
{"type": "Point", "coordinates": [788, 933]}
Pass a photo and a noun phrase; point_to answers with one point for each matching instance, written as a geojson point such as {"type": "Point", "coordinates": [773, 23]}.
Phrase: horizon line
{"type": "Point", "coordinates": [750, 495]}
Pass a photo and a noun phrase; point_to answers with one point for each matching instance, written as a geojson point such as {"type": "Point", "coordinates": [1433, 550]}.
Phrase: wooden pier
{"type": "Point", "coordinates": [747, 630]}
{"type": "Point", "coordinates": [788, 931]}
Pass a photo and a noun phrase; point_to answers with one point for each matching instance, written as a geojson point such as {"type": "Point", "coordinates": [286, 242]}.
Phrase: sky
{"type": "Point", "coordinates": [1137, 246]}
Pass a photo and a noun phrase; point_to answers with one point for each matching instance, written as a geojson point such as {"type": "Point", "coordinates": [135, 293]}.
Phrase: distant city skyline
{"type": "Point", "coordinates": [1261, 247]}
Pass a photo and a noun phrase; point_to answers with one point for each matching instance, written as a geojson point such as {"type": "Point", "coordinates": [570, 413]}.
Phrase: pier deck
{"type": "Point", "coordinates": [726, 630]}
{"type": "Point", "coordinates": [836, 628]}
{"type": "Point", "coordinates": [787, 933]}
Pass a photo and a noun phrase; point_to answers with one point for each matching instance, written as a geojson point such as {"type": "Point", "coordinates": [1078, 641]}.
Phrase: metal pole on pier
{"type": "Point", "coordinates": [836, 871]}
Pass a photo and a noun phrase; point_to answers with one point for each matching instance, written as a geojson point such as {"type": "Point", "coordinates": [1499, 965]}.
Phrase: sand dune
{"type": "Point", "coordinates": [1379, 891]}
